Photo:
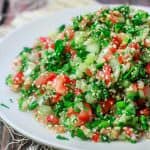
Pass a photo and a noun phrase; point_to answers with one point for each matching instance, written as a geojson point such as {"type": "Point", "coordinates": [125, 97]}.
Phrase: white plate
{"type": "Point", "coordinates": [24, 122]}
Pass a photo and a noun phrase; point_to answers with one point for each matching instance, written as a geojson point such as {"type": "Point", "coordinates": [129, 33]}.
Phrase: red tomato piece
{"type": "Point", "coordinates": [52, 119]}
{"type": "Point", "coordinates": [86, 114]}
{"type": "Point", "coordinates": [70, 33]}
{"type": "Point", "coordinates": [44, 79]}
{"type": "Point", "coordinates": [147, 43]}
{"type": "Point", "coordinates": [113, 50]}
{"type": "Point", "coordinates": [114, 17]}
{"type": "Point", "coordinates": [136, 56]}
{"type": "Point", "coordinates": [18, 78]}
{"type": "Point", "coordinates": [95, 137]}
{"type": "Point", "coordinates": [66, 79]}
{"type": "Point", "coordinates": [108, 56]}
{"type": "Point", "coordinates": [146, 91]}
{"type": "Point", "coordinates": [56, 98]}
{"type": "Point", "coordinates": [68, 49]}
{"type": "Point", "coordinates": [135, 87]}
{"type": "Point", "coordinates": [117, 40]}
{"type": "Point", "coordinates": [77, 91]}
{"type": "Point", "coordinates": [123, 46]}
{"type": "Point", "coordinates": [140, 103]}
{"type": "Point", "coordinates": [88, 72]}
{"type": "Point", "coordinates": [52, 45]}
{"type": "Point", "coordinates": [145, 112]}
{"type": "Point", "coordinates": [120, 59]}
{"type": "Point", "coordinates": [71, 112]}
{"type": "Point", "coordinates": [60, 84]}
{"type": "Point", "coordinates": [148, 68]}
{"type": "Point", "coordinates": [128, 130]}
{"type": "Point", "coordinates": [107, 105]}
{"type": "Point", "coordinates": [135, 45]}
{"type": "Point", "coordinates": [107, 68]}
{"type": "Point", "coordinates": [44, 39]}
{"type": "Point", "coordinates": [107, 73]}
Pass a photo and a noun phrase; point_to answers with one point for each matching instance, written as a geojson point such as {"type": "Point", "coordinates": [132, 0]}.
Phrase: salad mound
{"type": "Point", "coordinates": [91, 78]}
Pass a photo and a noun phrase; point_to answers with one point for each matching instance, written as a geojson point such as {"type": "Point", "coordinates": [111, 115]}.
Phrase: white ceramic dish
{"type": "Point", "coordinates": [24, 122]}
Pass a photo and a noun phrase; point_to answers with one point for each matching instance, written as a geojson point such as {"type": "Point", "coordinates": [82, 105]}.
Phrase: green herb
{"type": "Point", "coordinates": [4, 105]}
{"type": "Point", "coordinates": [76, 22]}
{"type": "Point", "coordinates": [59, 47]}
{"type": "Point", "coordinates": [26, 50]}
{"type": "Point", "coordinates": [80, 134]}
{"type": "Point", "coordinates": [132, 95]}
{"type": "Point", "coordinates": [33, 105]}
{"type": "Point", "coordinates": [61, 28]}
{"type": "Point", "coordinates": [11, 100]}
{"type": "Point", "coordinates": [124, 9]}
{"type": "Point", "coordinates": [9, 80]}
{"type": "Point", "coordinates": [60, 137]}
{"type": "Point", "coordinates": [105, 138]}
{"type": "Point", "coordinates": [140, 17]}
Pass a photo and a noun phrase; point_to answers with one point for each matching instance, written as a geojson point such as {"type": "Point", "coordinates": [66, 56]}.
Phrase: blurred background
{"type": "Point", "coordinates": [9, 9]}
{"type": "Point", "coordinates": [14, 13]}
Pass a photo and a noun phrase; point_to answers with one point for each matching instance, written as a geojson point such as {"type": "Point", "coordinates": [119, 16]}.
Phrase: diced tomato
{"type": "Point", "coordinates": [86, 114]}
{"type": "Point", "coordinates": [68, 49]}
{"type": "Point", "coordinates": [66, 79]}
{"type": "Point", "coordinates": [73, 82]}
{"type": "Point", "coordinates": [42, 91]}
{"type": "Point", "coordinates": [123, 46]}
{"type": "Point", "coordinates": [60, 84]}
{"type": "Point", "coordinates": [18, 78]}
{"type": "Point", "coordinates": [107, 105]}
{"type": "Point", "coordinates": [148, 68]}
{"type": "Point", "coordinates": [47, 42]}
{"type": "Point", "coordinates": [88, 72]}
{"type": "Point", "coordinates": [44, 39]}
{"type": "Point", "coordinates": [135, 87]}
{"type": "Point", "coordinates": [71, 112]}
{"type": "Point", "coordinates": [107, 68]}
{"type": "Point", "coordinates": [136, 56]}
{"type": "Point", "coordinates": [46, 45]}
{"type": "Point", "coordinates": [70, 33]}
{"type": "Point", "coordinates": [107, 73]}
{"type": "Point", "coordinates": [77, 91]}
{"type": "Point", "coordinates": [79, 123]}
{"type": "Point", "coordinates": [135, 45]}
{"type": "Point", "coordinates": [120, 59]}
{"type": "Point", "coordinates": [73, 53]}
{"type": "Point", "coordinates": [113, 49]}
{"type": "Point", "coordinates": [52, 119]}
{"type": "Point", "coordinates": [56, 98]}
{"type": "Point", "coordinates": [117, 40]}
{"type": "Point", "coordinates": [95, 137]}
{"type": "Point", "coordinates": [145, 112]}
{"type": "Point", "coordinates": [108, 56]}
{"type": "Point", "coordinates": [146, 91]}
{"type": "Point", "coordinates": [49, 45]}
{"type": "Point", "coordinates": [147, 43]}
{"type": "Point", "coordinates": [44, 79]}
{"type": "Point", "coordinates": [140, 103]}
{"type": "Point", "coordinates": [128, 130]}
{"type": "Point", "coordinates": [52, 45]}
{"type": "Point", "coordinates": [114, 17]}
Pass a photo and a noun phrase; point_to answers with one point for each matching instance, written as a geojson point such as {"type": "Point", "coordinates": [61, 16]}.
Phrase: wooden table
{"type": "Point", "coordinates": [5, 136]}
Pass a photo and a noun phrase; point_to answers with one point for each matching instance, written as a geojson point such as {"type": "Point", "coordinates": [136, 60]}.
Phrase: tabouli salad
{"type": "Point", "coordinates": [91, 78]}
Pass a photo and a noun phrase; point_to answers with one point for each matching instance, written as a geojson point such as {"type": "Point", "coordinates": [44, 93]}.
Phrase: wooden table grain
{"type": "Point", "coordinates": [5, 136]}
